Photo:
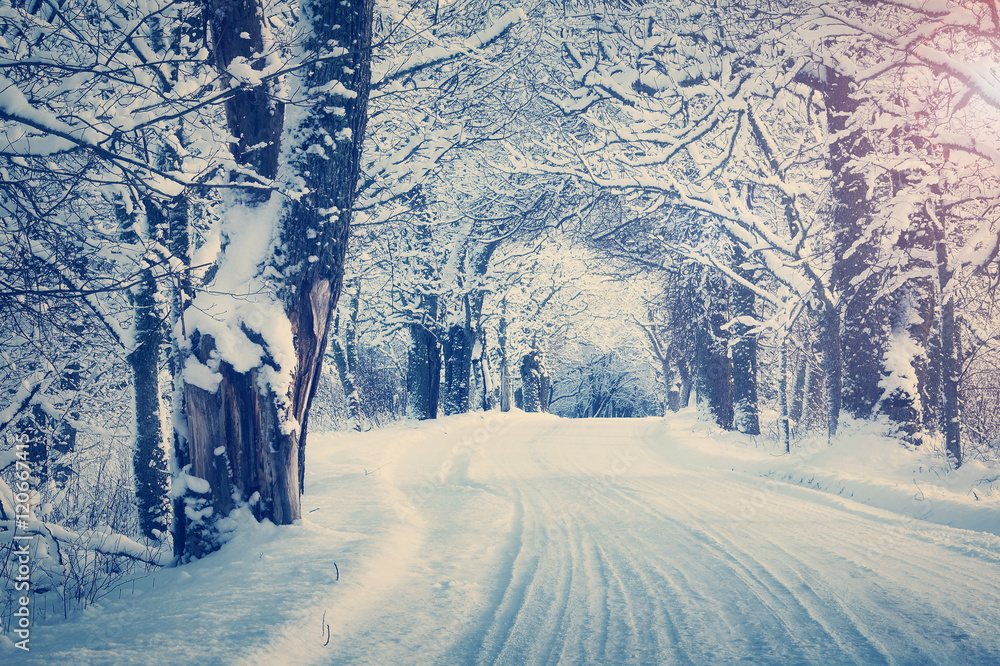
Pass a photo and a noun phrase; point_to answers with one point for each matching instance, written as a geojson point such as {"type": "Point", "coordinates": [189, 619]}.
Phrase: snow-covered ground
{"type": "Point", "coordinates": [531, 539]}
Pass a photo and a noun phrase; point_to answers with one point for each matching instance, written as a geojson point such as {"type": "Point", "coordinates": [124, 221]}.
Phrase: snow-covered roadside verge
{"type": "Point", "coordinates": [859, 466]}
{"type": "Point", "coordinates": [269, 585]}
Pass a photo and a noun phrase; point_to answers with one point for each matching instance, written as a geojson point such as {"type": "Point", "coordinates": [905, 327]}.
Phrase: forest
{"type": "Point", "coordinates": [230, 224]}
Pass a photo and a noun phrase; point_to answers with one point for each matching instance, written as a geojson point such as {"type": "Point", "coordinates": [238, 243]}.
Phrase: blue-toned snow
{"type": "Point", "coordinates": [528, 539]}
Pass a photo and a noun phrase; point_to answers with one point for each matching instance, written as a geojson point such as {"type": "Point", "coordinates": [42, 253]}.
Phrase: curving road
{"type": "Point", "coordinates": [543, 541]}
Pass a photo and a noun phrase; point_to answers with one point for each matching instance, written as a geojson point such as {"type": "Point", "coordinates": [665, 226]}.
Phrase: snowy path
{"type": "Point", "coordinates": [539, 540]}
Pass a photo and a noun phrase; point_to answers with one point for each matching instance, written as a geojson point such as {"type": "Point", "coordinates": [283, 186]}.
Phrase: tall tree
{"type": "Point", "coordinates": [247, 414]}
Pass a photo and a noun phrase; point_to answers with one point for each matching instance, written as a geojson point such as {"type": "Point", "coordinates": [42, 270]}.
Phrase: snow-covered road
{"type": "Point", "coordinates": [530, 539]}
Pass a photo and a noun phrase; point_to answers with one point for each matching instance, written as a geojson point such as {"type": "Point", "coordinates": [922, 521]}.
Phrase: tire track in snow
{"type": "Point", "coordinates": [824, 609]}
{"type": "Point", "coordinates": [516, 633]}
{"type": "Point", "coordinates": [644, 563]}
{"type": "Point", "coordinates": [760, 579]}
{"type": "Point", "coordinates": [795, 617]}
{"type": "Point", "coordinates": [565, 545]}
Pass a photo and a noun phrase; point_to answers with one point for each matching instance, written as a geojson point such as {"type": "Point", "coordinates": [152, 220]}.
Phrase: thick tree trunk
{"type": "Point", "coordinates": [423, 374]}
{"type": "Point", "coordinates": [715, 368]}
{"type": "Point", "coordinates": [246, 440]}
{"type": "Point", "coordinates": [149, 455]}
{"type": "Point", "coordinates": [458, 369]}
{"type": "Point", "coordinates": [533, 387]}
{"type": "Point", "coordinates": [316, 263]}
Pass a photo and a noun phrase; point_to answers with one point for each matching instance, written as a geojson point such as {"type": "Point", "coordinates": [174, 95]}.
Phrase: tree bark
{"type": "Point", "coordinates": [687, 382]}
{"type": "Point", "coordinates": [506, 388]}
{"type": "Point", "coordinates": [797, 407]}
{"type": "Point", "coordinates": [423, 374]}
{"type": "Point", "coordinates": [861, 324]}
{"type": "Point", "coordinates": [744, 355]}
{"type": "Point", "coordinates": [149, 456]}
{"type": "Point", "coordinates": [714, 367]}
{"type": "Point", "coordinates": [950, 372]}
{"type": "Point", "coordinates": [830, 343]}
{"type": "Point", "coordinates": [783, 416]}
{"type": "Point", "coordinates": [458, 368]}
{"type": "Point", "coordinates": [245, 439]}
{"type": "Point", "coordinates": [461, 340]}
{"type": "Point", "coordinates": [951, 366]}
{"type": "Point", "coordinates": [486, 374]}
{"type": "Point", "coordinates": [532, 382]}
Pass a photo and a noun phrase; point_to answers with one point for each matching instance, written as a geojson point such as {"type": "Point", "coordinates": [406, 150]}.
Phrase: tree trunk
{"type": "Point", "coordinates": [912, 316]}
{"type": "Point", "coordinates": [181, 293]}
{"type": "Point", "coordinates": [797, 408]}
{"type": "Point", "coordinates": [744, 355]}
{"type": "Point", "coordinates": [532, 379]}
{"type": "Point", "coordinates": [951, 366]}
{"type": "Point", "coordinates": [783, 417]}
{"type": "Point", "coordinates": [458, 369]}
{"type": "Point", "coordinates": [687, 382]}
{"type": "Point", "coordinates": [461, 341]}
{"type": "Point", "coordinates": [673, 402]}
{"type": "Point", "coordinates": [715, 369]}
{"type": "Point", "coordinates": [544, 391]}
{"type": "Point", "coordinates": [860, 329]}
{"type": "Point", "coordinates": [149, 456]}
{"type": "Point", "coordinates": [931, 395]}
{"type": "Point", "coordinates": [423, 374]}
{"type": "Point", "coordinates": [950, 372]}
{"type": "Point", "coordinates": [505, 379]}
{"type": "Point", "coordinates": [830, 343]}
{"type": "Point", "coordinates": [486, 373]}
{"type": "Point", "coordinates": [245, 439]}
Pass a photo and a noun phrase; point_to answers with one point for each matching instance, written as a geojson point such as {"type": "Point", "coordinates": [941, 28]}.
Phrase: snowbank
{"type": "Point", "coordinates": [859, 466]}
